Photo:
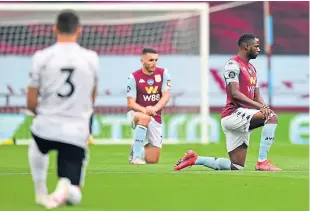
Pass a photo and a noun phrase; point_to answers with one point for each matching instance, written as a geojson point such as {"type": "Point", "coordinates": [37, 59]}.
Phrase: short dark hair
{"type": "Point", "coordinates": [149, 50]}
{"type": "Point", "coordinates": [67, 21]}
{"type": "Point", "coordinates": [245, 38]}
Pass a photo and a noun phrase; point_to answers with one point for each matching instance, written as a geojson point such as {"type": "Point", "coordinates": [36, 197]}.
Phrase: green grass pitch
{"type": "Point", "coordinates": [113, 185]}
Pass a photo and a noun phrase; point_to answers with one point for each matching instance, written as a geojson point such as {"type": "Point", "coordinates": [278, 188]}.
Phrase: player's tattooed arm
{"type": "Point", "coordinates": [94, 94]}
{"type": "Point", "coordinates": [166, 93]}
{"type": "Point", "coordinates": [265, 108]}
{"type": "Point", "coordinates": [258, 97]}
{"type": "Point", "coordinates": [132, 105]}
{"type": "Point", "coordinates": [131, 96]}
{"type": "Point", "coordinates": [34, 84]}
{"type": "Point", "coordinates": [32, 98]}
{"type": "Point", "coordinates": [236, 95]}
{"type": "Point", "coordinates": [231, 76]}
{"type": "Point", "coordinates": [96, 66]}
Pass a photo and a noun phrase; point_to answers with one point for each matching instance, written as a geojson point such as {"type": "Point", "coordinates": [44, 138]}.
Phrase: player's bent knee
{"type": "Point", "coordinates": [273, 119]}
{"type": "Point", "coordinates": [151, 160]}
{"type": "Point", "coordinates": [74, 196]}
{"type": "Point", "coordinates": [152, 154]}
{"type": "Point", "coordinates": [142, 119]}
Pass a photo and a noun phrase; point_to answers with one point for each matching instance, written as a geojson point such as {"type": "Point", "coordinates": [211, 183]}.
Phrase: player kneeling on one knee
{"type": "Point", "coordinates": [71, 160]}
{"type": "Point", "coordinates": [148, 92]}
{"type": "Point", "coordinates": [245, 111]}
{"type": "Point", "coordinates": [58, 86]}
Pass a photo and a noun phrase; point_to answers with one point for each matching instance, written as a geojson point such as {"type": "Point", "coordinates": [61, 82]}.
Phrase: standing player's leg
{"type": "Point", "coordinates": [141, 122]}
{"type": "Point", "coordinates": [154, 142]}
{"type": "Point", "coordinates": [72, 161]}
{"type": "Point", "coordinates": [75, 195]}
{"type": "Point", "coordinates": [257, 119]}
{"type": "Point", "coordinates": [39, 161]}
{"type": "Point", "coordinates": [267, 138]}
{"type": "Point", "coordinates": [237, 140]}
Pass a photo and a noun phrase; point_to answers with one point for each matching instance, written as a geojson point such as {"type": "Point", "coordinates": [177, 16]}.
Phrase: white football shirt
{"type": "Point", "coordinates": [66, 75]}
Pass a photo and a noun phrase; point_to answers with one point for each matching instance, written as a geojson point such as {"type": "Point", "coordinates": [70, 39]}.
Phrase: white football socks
{"type": "Point", "coordinates": [38, 167]}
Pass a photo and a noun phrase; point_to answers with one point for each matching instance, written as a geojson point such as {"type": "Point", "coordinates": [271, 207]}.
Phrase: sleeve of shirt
{"type": "Point", "coordinates": [34, 74]}
{"type": "Point", "coordinates": [166, 81]}
{"type": "Point", "coordinates": [131, 87]}
{"type": "Point", "coordinates": [231, 72]}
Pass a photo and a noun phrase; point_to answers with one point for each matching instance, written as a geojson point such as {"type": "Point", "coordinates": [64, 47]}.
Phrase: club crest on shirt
{"type": "Point", "coordinates": [231, 74]}
{"type": "Point", "coordinates": [150, 82]}
{"type": "Point", "coordinates": [157, 78]}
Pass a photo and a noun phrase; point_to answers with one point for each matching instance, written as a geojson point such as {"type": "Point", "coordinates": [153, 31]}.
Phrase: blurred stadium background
{"type": "Point", "coordinates": [177, 39]}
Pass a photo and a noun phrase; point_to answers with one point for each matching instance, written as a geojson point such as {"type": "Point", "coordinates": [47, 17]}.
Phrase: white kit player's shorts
{"type": "Point", "coordinates": [236, 127]}
{"type": "Point", "coordinates": [154, 131]}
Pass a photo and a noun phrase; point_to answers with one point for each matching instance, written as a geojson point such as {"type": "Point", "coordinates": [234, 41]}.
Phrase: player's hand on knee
{"type": "Point", "coordinates": [151, 110]}
{"type": "Point", "coordinates": [270, 113]}
{"type": "Point", "coordinates": [145, 111]}
{"type": "Point", "coordinates": [266, 111]}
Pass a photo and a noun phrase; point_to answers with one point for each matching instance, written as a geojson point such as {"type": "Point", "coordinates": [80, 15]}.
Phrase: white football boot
{"type": "Point", "coordinates": [59, 196]}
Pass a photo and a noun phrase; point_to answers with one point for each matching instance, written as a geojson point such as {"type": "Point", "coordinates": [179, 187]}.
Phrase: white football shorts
{"type": "Point", "coordinates": [236, 127]}
{"type": "Point", "coordinates": [154, 131]}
